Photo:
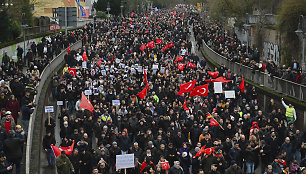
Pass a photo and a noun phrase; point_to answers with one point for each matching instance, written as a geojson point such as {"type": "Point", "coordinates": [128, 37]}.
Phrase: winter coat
{"type": "Point", "coordinates": [63, 164]}
{"type": "Point", "coordinates": [12, 148]}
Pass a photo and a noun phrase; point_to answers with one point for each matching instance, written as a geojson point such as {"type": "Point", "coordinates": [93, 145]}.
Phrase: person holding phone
{"type": "Point", "coordinates": [5, 166]}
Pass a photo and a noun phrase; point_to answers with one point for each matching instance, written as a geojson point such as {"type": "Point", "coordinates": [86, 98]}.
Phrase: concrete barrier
{"type": "Point", "coordinates": [35, 132]}
{"type": "Point", "coordinates": [276, 84]}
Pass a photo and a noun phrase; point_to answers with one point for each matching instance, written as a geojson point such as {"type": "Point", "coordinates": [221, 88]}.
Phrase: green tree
{"type": "Point", "coordinates": [288, 18]}
{"type": "Point", "coordinates": [10, 29]}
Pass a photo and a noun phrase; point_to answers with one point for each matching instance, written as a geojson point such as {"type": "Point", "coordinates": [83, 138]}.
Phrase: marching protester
{"type": "Point", "coordinates": [137, 87]}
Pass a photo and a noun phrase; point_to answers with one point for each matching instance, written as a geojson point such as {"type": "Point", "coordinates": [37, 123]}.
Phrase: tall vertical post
{"type": "Point", "coordinates": [66, 22]}
{"type": "Point", "coordinates": [303, 53]}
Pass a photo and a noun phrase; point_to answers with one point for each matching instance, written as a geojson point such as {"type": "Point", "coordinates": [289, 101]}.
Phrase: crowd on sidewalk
{"type": "Point", "coordinates": [229, 46]}
{"type": "Point", "coordinates": [18, 81]}
{"type": "Point", "coordinates": [144, 61]}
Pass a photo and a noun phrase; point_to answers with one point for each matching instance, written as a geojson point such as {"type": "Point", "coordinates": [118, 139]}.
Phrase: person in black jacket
{"type": "Point", "coordinates": [75, 160]}
{"type": "Point", "coordinates": [5, 166]}
{"type": "Point", "coordinates": [124, 142]}
{"type": "Point", "coordinates": [47, 142]}
{"type": "Point", "coordinates": [12, 149]}
{"type": "Point", "coordinates": [250, 158]}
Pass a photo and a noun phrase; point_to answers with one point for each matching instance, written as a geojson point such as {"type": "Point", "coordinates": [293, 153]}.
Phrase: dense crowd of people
{"type": "Point", "coordinates": [19, 79]}
{"type": "Point", "coordinates": [231, 47]}
{"type": "Point", "coordinates": [168, 132]}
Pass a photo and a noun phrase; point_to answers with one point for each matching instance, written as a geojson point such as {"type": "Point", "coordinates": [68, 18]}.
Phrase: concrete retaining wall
{"type": "Point", "coordinates": [34, 140]}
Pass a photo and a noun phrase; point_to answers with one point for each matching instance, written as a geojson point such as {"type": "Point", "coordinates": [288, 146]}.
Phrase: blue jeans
{"type": "Point", "coordinates": [250, 167]}
{"type": "Point", "coordinates": [50, 157]}
{"type": "Point", "coordinates": [25, 124]}
{"type": "Point", "coordinates": [70, 106]}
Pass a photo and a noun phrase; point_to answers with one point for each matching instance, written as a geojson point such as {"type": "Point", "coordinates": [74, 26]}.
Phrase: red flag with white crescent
{"type": "Point", "coordinates": [57, 150]}
{"type": "Point", "coordinates": [199, 91]}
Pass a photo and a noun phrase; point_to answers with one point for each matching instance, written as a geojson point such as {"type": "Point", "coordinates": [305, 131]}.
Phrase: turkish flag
{"type": "Point", "coordinates": [181, 15]}
{"type": "Point", "coordinates": [181, 66]}
{"type": "Point", "coordinates": [165, 48]}
{"type": "Point", "coordinates": [241, 86]}
{"type": "Point", "coordinates": [221, 79]}
{"type": "Point", "coordinates": [200, 151]}
{"type": "Point", "coordinates": [57, 150]}
{"type": "Point", "coordinates": [174, 13]}
{"type": "Point", "coordinates": [143, 47]}
{"type": "Point", "coordinates": [213, 74]}
{"type": "Point", "coordinates": [199, 91]}
{"type": "Point", "coordinates": [170, 45]}
{"type": "Point", "coordinates": [69, 48]}
{"type": "Point", "coordinates": [99, 62]}
{"type": "Point", "coordinates": [142, 94]}
{"type": "Point", "coordinates": [158, 41]}
{"type": "Point", "coordinates": [213, 122]}
{"type": "Point", "coordinates": [186, 87]}
{"type": "Point", "coordinates": [85, 103]}
{"type": "Point", "coordinates": [150, 44]}
{"type": "Point", "coordinates": [178, 59]}
{"type": "Point", "coordinates": [208, 151]}
{"type": "Point", "coordinates": [132, 15]}
{"type": "Point", "coordinates": [165, 165]}
{"type": "Point", "coordinates": [84, 56]}
{"type": "Point", "coordinates": [189, 64]}
{"type": "Point", "coordinates": [185, 106]}
{"type": "Point", "coordinates": [84, 37]}
{"type": "Point", "coordinates": [73, 34]}
{"type": "Point", "coordinates": [72, 71]}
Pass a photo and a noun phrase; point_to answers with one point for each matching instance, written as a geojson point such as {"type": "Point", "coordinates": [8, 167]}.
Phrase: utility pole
{"type": "Point", "coordinates": [66, 22]}
{"type": "Point", "coordinates": [24, 25]}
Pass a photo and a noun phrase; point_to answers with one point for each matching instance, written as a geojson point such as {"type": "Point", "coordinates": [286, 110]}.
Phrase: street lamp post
{"type": "Point", "coordinates": [302, 34]}
{"type": "Point", "coordinates": [24, 25]}
{"type": "Point", "coordinates": [247, 26]}
{"type": "Point", "coordinates": [94, 18]}
{"type": "Point", "coordinates": [121, 7]}
{"type": "Point", "coordinates": [108, 9]}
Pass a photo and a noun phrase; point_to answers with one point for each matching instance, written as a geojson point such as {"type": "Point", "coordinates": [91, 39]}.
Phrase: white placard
{"type": "Point", "coordinates": [218, 87]}
{"type": "Point", "coordinates": [88, 92]}
{"type": "Point", "coordinates": [49, 109]}
{"type": "Point", "coordinates": [139, 68]}
{"type": "Point", "coordinates": [84, 65]}
{"type": "Point", "coordinates": [229, 94]}
{"type": "Point", "coordinates": [117, 60]}
{"type": "Point", "coordinates": [103, 72]}
{"type": "Point", "coordinates": [133, 71]}
{"type": "Point", "coordinates": [14, 57]}
{"type": "Point", "coordinates": [60, 103]}
{"type": "Point", "coordinates": [125, 161]}
{"type": "Point", "coordinates": [162, 70]}
{"type": "Point", "coordinates": [116, 102]}
{"type": "Point", "coordinates": [155, 67]}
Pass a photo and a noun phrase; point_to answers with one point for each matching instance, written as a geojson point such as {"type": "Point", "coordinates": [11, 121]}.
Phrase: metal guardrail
{"type": "Point", "coordinates": [47, 72]}
{"type": "Point", "coordinates": [276, 84]}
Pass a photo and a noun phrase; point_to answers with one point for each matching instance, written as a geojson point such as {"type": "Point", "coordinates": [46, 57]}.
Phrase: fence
{"type": "Point", "coordinates": [276, 84]}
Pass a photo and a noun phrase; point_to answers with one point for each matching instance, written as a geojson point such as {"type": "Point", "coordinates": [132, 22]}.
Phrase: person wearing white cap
{"type": "Point", "coordinates": [35, 72]}
{"type": "Point", "coordinates": [8, 122]}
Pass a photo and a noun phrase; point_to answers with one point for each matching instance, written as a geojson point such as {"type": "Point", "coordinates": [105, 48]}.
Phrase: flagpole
{"type": "Point", "coordinates": [216, 121]}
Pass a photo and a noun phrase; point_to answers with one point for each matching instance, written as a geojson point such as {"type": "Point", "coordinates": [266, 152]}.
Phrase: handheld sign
{"type": "Point", "coordinates": [116, 102]}
{"type": "Point", "coordinates": [60, 103]}
{"type": "Point", "coordinates": [229, 94]}
{"type": "Point", "coordinates": [49, 109]}
{"type": "Point", "coordinates": [218, 87]}
{"type": "Point", "coordinates": [84, 65]}
{"type": "Point", "coordinates": [125, 161]}
{"type": "Point", "coordinates": [88, 92]}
